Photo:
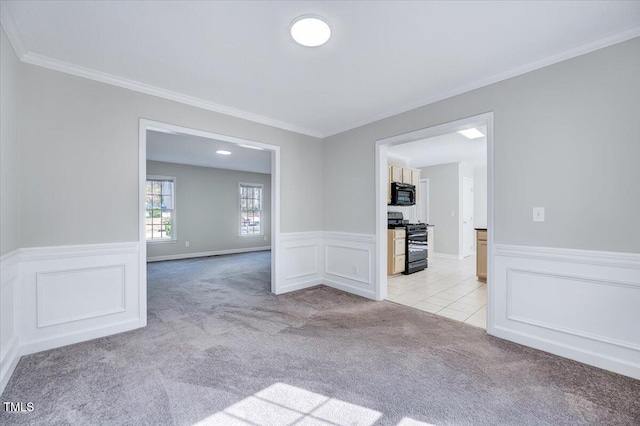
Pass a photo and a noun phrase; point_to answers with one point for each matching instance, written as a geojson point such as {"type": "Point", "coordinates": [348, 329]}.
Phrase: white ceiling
{"type": "Point", "coordinates": [237, 57]}
{"type": "Point", "coordinates": [197, 151]}
{"type": "Point", "coordinates": [449, 148]}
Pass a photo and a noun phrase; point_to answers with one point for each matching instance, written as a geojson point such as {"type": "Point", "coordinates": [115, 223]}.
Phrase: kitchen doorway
{"type": "Point", "coordinates": [381, 150]}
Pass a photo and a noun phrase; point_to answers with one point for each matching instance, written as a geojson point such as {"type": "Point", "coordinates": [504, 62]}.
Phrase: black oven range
{"type": "Point", "coordinates": [416, 242]}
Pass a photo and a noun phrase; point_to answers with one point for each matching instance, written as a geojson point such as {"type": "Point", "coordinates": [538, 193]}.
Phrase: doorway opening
{"type": "Point", "coordinates": [180, 218]}
{"type": "Point", "coordinates": [454, 199]}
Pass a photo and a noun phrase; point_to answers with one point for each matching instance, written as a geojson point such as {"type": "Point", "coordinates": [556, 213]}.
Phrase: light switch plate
{"type": "Point", "coordinates": [538, 214]}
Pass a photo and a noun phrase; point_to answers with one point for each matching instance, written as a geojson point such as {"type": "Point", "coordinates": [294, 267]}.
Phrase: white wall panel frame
{"type": "Point", "coordinates": [301, 263]}
{"type": "Point", "coordinates": [83, 293]}
{"type": "Point", "coordinates": [580, 304]}
{"type": "Point", "coordinates": [350, 263]}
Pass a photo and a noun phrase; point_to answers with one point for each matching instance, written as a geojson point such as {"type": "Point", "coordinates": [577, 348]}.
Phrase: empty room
{"type": "Point", "coordinates": [342, 213]}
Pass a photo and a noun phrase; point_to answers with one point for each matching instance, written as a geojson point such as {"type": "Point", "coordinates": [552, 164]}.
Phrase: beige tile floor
{"type": "Point", "coordinates": [448, 288]}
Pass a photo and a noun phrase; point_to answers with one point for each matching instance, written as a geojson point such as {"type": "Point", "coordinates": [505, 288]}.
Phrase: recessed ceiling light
{"type": "Point", "coordinates": [472, 133]}
{"type": "Point", "coordinates": [310, 31]}
{"type": "Point", "coordinates": [223, 152]}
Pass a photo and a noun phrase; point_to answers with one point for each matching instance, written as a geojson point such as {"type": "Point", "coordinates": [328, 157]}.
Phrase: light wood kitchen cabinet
{"type": "Point", "coordinates": [406, 176]}
{"type": "Point", "coordinates": [481, 254]}
{"type": "Point", "coordinates": [396, 239]}
{"type": "Point", "coordinates": [396, 174]}
{"type": "Point", "coordinates": [403, 175]}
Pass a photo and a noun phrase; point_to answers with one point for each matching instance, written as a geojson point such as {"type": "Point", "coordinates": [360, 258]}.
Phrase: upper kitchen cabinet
{"type": "Point", "coordinates": [401, 174]}
{"type": "Point", "coordinates": [415, 177]}
{"type": "Point", "coordinates": [415, 180]}
{"type": "Point", "coordinates": [396, 174]}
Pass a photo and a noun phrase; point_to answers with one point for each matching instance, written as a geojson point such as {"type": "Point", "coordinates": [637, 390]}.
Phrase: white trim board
{"type": "Point", "coordinates": [24, 55]}
{"type": "Point", "coordinates": [205, 254]}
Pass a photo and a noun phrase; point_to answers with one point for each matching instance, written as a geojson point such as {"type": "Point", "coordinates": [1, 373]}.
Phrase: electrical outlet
{"type": "Point", "coordinates": [186, 244]}
{"type": "Point", "coordinates": [538, 214]}
{"type": "Point", "coordinates": [355, 269]}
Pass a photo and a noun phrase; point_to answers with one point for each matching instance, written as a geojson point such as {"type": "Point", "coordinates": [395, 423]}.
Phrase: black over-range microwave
{"type": "Point", "coordinates": [403, 194]}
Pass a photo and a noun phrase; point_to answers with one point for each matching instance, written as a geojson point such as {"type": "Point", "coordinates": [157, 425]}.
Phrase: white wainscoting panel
{"type": "Point", "coordinates": [581, 304]}
{"type": "Point", "coordinates": [9, 311]}
{"type": "Point", "coordinates": [101, 289]}
{"type": "Point", "coordinates": [350, 262]}
{"type": "Point", "coordinates": [75, 293]}
{"type": "Point", "coordinates": [301, 265]}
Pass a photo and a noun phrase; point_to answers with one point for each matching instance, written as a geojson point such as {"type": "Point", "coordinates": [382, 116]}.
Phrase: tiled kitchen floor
{"type": "Point", "coordinates": [448, 288]}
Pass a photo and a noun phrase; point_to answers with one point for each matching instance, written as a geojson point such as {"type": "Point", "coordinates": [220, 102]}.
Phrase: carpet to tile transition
{"type": "Point", "coordinates": [220, 349]}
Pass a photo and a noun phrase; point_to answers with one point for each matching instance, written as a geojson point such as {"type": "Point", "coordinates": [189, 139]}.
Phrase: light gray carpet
{"type": "Point", "coordinates": [220, 348]}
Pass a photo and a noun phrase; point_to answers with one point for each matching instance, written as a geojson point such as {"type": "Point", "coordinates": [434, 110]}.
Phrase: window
{"type": "Point", "coordinates": [250, 209]}
{"type": "Point", "coordinates": [160, 215]}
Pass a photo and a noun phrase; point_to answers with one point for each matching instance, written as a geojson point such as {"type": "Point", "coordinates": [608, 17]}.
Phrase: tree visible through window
{"type": "Point", "coordinates": [160, 209]}
{"type": "Point", "coordinates": [250, 209]}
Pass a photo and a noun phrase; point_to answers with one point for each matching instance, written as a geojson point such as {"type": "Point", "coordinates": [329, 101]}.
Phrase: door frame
{"type": "Point", "coordinates": [463, 250]}
{"type": "Point", "coordinates": [424, 200]}
{"type": "Point", "coordinates": [146, 124]}
{"type": "Point", "coordinates": [381, 183]}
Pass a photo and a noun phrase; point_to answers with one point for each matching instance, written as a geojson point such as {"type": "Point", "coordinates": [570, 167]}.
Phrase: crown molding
{"type": "Point", "coordinates": [10, 27]}
{"type": "Point", "coordinates": [532, 66]}
{"type": "Point", "coordinates": [92, 74]}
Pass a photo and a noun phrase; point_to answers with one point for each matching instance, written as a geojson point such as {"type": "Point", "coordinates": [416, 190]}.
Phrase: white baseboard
{"type": "Point", "coordinates": [300, 286]}
{"type": "Point", "coordinates": [205, 254]}
{"type": "Point", "coordinates": [58, 341]}
{"type": "Point", "coordinates": [9, 362]}
{"type": "Point", "coordinates": [579, 304]}
{"type": "Point", "coordinates": [350, 288]}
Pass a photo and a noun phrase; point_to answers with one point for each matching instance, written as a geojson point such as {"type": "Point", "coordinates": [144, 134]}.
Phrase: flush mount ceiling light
{"type": "Point", "coordinates": [223, 152]}
{"type": "Point", "coordinates": [472, 133]}
{"type": "Point", "coordinates": [310, 30]}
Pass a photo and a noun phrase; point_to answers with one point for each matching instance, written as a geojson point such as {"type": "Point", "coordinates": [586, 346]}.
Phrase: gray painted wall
{"type": "Point", "coordinates": [9, 147]}
{"type": "Point", "coordinates": [80, 159]}
{"type": "Point", "coordinates": [444, 198]}
{"type": "Point", "coordinates": [207, 209]}
{"type": "Point", "coordinates": [567, 138]}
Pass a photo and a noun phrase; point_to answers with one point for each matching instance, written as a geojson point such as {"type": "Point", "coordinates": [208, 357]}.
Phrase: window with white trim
{"type": "Point", "coordinates": [160, 213]}
{"type": "Point", "coordinates": [250, 209]}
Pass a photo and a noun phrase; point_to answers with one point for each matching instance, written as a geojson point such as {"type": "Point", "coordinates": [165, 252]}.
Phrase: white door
{"type": "Point", "coordinates": [467, 217]}
{"type": "Point", "coordinates": [424, 200]}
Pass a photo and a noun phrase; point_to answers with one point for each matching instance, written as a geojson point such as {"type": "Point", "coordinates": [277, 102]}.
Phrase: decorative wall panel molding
{"type": "Point", "coordinates": [75, 293]}
{"type": "Point", "coordinates": [580, 304]}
